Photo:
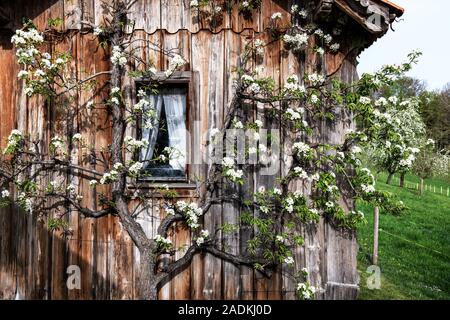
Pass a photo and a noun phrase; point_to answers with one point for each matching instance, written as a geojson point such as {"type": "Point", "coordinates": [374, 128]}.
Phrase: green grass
{"type": "Point", "coordinates": [414, 249]}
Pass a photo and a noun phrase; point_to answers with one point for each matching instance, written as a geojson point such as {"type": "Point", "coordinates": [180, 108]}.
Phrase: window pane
{"type": "Point", "coordinates": [167, 139]}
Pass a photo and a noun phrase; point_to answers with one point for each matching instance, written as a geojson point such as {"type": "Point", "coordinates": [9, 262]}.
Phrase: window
{"type": "Point", "coordinates": [166, 153]}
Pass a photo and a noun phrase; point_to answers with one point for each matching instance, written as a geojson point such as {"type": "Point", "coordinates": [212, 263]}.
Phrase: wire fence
{"type": "Point", "coordinates": [442, 190]}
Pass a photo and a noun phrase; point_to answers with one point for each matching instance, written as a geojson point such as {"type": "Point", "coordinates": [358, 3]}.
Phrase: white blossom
{"type": "Point", "coordinates": [118, 166]}
{"type": "Point", "coordinates": [289, 260]}
{"type": "Point", "coordinates": [319, 32]}
{"type": "Point", "coordinates": [161, 241]}
{"type": "Point", "coordinates": [76, 137]}
{"type": "Point", "coordinates": [381, 102]}
{"type": "Point", "coordinates": [301, 148]}
{"type": "Point", "coordinates": [29, 205]}
{"type": "Point", "coordinates": [300, 173]}
{"type": "Point", "coordinates": [303, 13]}
{"type": "Point", "coordinates": [70, 188]}
{"type": "Point", "coordinates": [332, 188]}
{"type": "Point", "coordinates": [320, 51]}
{"type": "Point", "coordinates": [213, 133]}
{"type": "Point", "coordinates": [204, 234]}
{"type": "Point", "coordinates": [297, 41]}
{"type": "Point", "coordinates": [355, 150]}
{"type": "Point", "coordinates": [306, 291]}
{"type": "Point", "coordinates": [228, 162]}
{"type": "Point", "coordinates": [175, 62]}
{"type": "Point", "coordinates": [135, 168]}
{"type": "Point", "coordinates": [97, 31]}
{"type": "Point", "coordinates": [367, 188]}
{"type": "Point", "coordinates": [15, 139]}
{"type": "Point", "coordinates": [365, 100]}
{"type": "Point", "coordinates": [109, 177]}
{"type": "Point", "coordinates": [238, 125]}
{"type": "Point", "coordinates": [29, 91]}
{"type": "Point", "coordinates": [329, 204]}
{"type": "Point", "coordinates": [247, 78]}
{"type": "Point", "coordinates": [56, 143]}
{"type": "Point", "coordinates": [118, 57]}
{"type": "Point", "coordinates": [134, 144]}
{"type": "Point", "coordinates": [264, 209]}
{"type": "Point", "coordinates": [293, 115]}
{"type": "Point", "coordinates": [115, 90]}
{"type": "Point", "coordinates": [315, 99]}
{"type": "Point", "coordinates": [335, 47]}
{"type": "Point", "coordinates": [89, 104]}
{"type": "Point", "coordinates": [23, 74]}
{"type": "Point", "coordinates": [234, 174]}
{"type": "Point", "coordinates": [254, 88]}
{"type": "Point", "coordinates": [393, 99]}
{"type": "Point", "coordinates": [316, 79]}
{"type": "Point", "coordinates": [276, 15]}
{"type": "Point", "coordinates": [191, 212]}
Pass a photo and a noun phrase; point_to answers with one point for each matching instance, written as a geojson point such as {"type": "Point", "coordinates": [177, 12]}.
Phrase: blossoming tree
{"type": "Point", "coordinates": [333, 172]}
{"type": "Point", "coordinates": [402, 125]}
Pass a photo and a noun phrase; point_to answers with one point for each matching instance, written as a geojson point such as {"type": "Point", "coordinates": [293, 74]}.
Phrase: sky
{"type": "Point", "coordinates": [424, 26]}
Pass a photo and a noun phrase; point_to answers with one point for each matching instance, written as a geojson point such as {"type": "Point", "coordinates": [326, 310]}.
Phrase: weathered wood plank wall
{"type": "Point", "coordinates": [33, 260]}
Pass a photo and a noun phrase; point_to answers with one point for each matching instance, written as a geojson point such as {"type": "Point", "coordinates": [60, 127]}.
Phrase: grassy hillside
{"type": "Point", "coordinates": [414, 249]}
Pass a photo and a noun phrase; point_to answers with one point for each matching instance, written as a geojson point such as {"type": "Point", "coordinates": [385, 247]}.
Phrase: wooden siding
{"type": "Point", "coordinates": [33, 260]}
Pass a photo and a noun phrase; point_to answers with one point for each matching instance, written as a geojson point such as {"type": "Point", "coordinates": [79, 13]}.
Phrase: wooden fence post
{"type": "Point", "coordinates": [376, 217]}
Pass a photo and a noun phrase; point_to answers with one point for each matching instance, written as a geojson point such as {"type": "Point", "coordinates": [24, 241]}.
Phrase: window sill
{"type": "Point", "coordinates": [182, 189]}
{"type": "Point", "coordinates": [163, 184]}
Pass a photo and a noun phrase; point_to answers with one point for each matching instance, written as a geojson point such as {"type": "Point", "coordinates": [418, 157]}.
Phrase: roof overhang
{"type": "Point", "coordinates": [375, 16]}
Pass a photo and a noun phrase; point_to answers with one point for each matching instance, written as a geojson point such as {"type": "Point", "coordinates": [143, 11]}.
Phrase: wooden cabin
{"type": "Point", "coordinates": [34, 261]}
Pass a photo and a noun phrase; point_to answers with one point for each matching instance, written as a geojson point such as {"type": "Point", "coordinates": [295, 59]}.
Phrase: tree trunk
{"type": "Point", "coordinates": [389, 178]}
{"type": "Point", "coordinates": [402, 179]}
{"type": "Point", "coordinates": [421, 186]}
{"type": "Point", "coordinates": [147, 289]}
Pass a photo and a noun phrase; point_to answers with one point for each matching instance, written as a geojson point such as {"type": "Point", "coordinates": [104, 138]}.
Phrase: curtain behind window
{"type": "Point", "coordinates": [175, 104]}
{"type": "Point", "coordinates": [151, 134]}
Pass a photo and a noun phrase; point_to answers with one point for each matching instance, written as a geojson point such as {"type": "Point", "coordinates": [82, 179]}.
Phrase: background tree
{"type": "Point", "coordinates": [435, 111]}
{"type": "Point", "coordinates": [404, 88]}
{"type": "Point", "coordinates": [426, 163]}
{"type": "Point", "coordinates": [403, 129]}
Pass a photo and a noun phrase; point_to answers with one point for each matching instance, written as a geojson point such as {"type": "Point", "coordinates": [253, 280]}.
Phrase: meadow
{"type": "Point", "coordinates": [414, 249]}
